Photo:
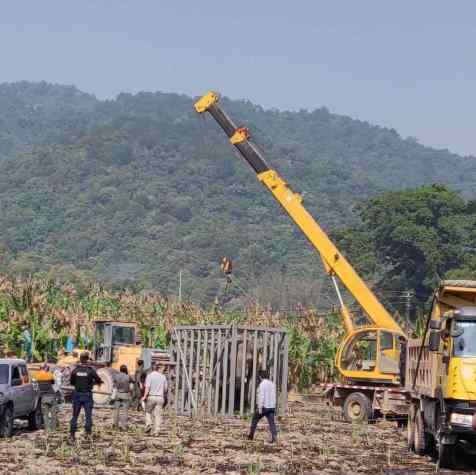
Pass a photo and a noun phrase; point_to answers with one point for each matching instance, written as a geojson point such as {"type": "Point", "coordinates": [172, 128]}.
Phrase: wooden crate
{"type": "Point", "coordinates": [217, 365]}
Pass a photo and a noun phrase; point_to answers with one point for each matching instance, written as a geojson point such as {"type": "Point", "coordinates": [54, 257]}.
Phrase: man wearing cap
{"type": "Point", "coordinates": [83, 378]}
{"type": "Point", "coordinates": [122, 398]}
{"type": "Point", "coordinates": [155, 397]}
{"type": "Point", "coordinates": [49, 383]}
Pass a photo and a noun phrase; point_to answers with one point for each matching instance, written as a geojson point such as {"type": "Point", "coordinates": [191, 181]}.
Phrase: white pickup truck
{"type": "Point", "coordinates": [19, 396]}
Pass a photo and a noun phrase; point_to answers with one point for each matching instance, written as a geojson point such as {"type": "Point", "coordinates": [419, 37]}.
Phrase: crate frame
{"type": "Point", "coordinates": [216, 368]}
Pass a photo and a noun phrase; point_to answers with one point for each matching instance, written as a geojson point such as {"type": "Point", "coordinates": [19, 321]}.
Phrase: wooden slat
{"type": "Point", "coordinates": [225, 376]}
{"type": "Point", "coordinates": [201, 403]}
{"type": "Point", "coordinates": [191, 347]}
{"type": "Point", "coordinates": [198, 353]}
{"type": "Point", "coordinates": [210, 372]}
{"type": "Point", "coordinates": [243, 372]}
{"type": "Point", "coordinates": [284, 384]}
{"type": "Point", "coordinates": [275, 359]}
{"type": "Point", "coordinates": [264, 364]}
{"type": "Point", "coordinates": [218, 373]}
{"type": "Point", "coordinates": [177, 373]}
{"type": "Point", "coordinates": [182, 368]}
{"type": "Point", "coordinates": [253, 380]}
{"type": "Point", "coordinates": [231, 395]}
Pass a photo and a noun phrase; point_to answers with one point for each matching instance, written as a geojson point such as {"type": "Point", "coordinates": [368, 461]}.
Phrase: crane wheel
{"type": "Point", "coordinates": [357, 408]}
{"type": "Point", "coordinates": [420, 438]}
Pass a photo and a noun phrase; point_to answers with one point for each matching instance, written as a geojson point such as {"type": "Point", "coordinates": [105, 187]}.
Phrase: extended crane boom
{"type": "Point", "coordinates": [334, 261]}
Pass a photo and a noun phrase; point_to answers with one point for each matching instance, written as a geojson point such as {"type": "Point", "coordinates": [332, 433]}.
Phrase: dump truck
{"type": "Point", "coordinates": [368, 357]}
{"type": "Point", "coordinates": [441, 376]}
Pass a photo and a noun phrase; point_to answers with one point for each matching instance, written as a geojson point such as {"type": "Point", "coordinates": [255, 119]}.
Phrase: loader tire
{"type": "Point", "coordinates": [420, 438]}
{"type": "Point", "coordinates": [357, 408]}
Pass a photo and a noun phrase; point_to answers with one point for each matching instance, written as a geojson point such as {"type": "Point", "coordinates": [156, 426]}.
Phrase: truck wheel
{"type": "Point", "coordinates": [420, 438]}
{"type": "Point", "coordinates": [6, 425]}
{"type": "Point", "coordinates": [446, 455]}
{"type": "Point", "coordinates": [357, 408]}
{"type": "Point", "coordinates": [411, 428]}
{"type": "Point", "coordinates": [35, 418]}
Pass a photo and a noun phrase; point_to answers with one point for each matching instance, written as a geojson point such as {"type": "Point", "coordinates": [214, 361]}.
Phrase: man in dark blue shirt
{"type": "Point", "coordinates": [83, 378]}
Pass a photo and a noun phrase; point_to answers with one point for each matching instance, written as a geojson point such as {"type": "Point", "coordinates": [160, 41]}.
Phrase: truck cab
{"type": "Point", "coordinates": [441, 376]}
{"type": "Point", "coordinates": [19, 396]}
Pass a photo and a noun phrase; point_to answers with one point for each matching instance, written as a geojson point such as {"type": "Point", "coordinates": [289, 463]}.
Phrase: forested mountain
{"type": "Point", "coordinates": [139, 188]}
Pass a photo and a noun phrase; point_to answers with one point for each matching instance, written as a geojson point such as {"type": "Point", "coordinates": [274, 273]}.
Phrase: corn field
{"type": "Point", "coordinates": [37, 317]}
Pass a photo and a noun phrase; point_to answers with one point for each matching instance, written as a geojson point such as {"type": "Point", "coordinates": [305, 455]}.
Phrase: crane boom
{"type": "Point", "coordinates": [336, 264]}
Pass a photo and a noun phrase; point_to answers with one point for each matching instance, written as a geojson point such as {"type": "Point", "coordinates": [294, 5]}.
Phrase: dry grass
{"type": "Point", "coordinates": [312, 440]}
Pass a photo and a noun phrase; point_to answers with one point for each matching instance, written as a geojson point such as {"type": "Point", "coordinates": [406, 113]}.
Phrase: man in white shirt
{"type": "Point", "coordinates": [155, 397]}
{"type": "Point", "coordinates": [265, 405]}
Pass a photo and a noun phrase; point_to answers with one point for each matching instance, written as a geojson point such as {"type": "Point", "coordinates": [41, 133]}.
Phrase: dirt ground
{"type": "Point", "coordinates": [313, 439]}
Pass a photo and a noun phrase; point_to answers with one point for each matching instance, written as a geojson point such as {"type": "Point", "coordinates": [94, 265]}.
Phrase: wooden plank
{"type": "Point", "coordinates": [191, 356]}
{"type": "Point", "coordinates": [218, 373]}
{"type": "Point", "coordinates": [187, 378]}
{"type": "Point", "coordinates": [210, 373]}
{"type": "Point", "coordinates": [183, 369]}
{"type": "Point", "coordinates": [264, 364]}
{"type": "Point", "coordinates": [177, 372]}
{"type": "Point", "coordinates": [253, 377]}
{"type": "Point", "coordinates": [201, 403]}
{"type": "Point", "coordinates": [198, 353]}
{"type": "Point", "coordinates": [284, 379]}
{"type": "Point", "coordinates": [231, 395]}
{"type": "Point", "coordinates": [275, 359]}
{"type": "Point", "coordinates": [224, 381]}
{"type": "Point", "coordinates": [243, 372]}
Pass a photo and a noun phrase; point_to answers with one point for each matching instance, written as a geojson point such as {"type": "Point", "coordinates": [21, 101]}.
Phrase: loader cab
{"type": "Point", "coordinates": [110, 336]}
{"type": "Point", "coordinates": [370, 354]}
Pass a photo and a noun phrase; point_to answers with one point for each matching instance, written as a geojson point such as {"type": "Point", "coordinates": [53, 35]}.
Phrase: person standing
{"type": "Point", "coordinates": [122, 390]}
{"type": "Point", "coordinates": [83, 378]}
{"type": "Point", "coordinates": [155, 398]}
{"type": "Point", "coordinates": [50, 389]}
{"type": "Point", "coordinates": [265, 405]}
{"type": "Point", "coordinates": [139, 384]}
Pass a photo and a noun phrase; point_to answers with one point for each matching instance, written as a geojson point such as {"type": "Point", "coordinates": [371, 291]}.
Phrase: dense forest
{"type": "Point", "coordinates": [137, 190]}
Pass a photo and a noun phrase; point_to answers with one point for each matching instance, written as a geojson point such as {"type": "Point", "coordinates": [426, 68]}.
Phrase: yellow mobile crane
{"type": "Point", "coordinates": [368, 357]}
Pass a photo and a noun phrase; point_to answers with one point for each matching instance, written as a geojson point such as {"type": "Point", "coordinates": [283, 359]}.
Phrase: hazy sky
{"type": "Point", "coordinates": [406, 64]}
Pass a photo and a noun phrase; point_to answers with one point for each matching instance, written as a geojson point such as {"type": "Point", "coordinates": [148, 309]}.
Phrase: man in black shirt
{"type": "Point", "coordinates": [83, 378]}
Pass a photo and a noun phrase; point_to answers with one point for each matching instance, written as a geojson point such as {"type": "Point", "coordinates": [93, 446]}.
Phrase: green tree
{"type": "Point", "coordinates": [411, 239]}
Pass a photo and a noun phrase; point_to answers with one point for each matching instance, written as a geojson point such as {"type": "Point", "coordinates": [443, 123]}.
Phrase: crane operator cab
{"type": "Point", "coordinates": [371, 354]}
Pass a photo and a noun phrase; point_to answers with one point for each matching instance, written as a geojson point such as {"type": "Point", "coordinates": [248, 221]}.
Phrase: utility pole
{"type": "Point", "coordinates": [408, 296]}
{"type": "Point", "coordinates": [180, 287]}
